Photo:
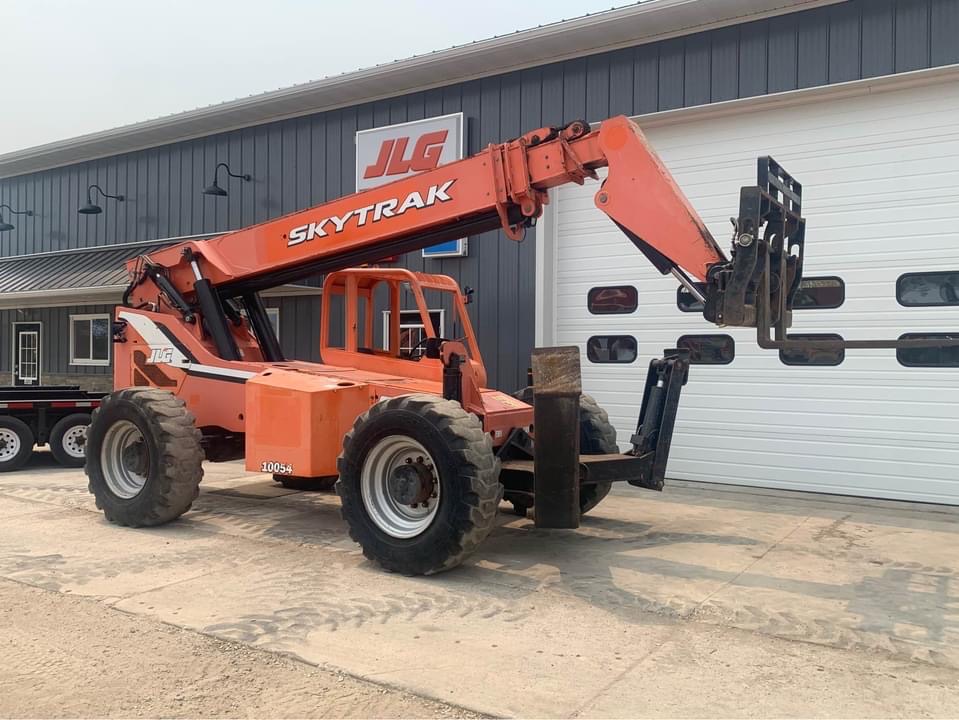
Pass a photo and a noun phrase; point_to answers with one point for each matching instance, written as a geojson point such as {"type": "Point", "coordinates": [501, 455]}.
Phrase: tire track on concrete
{"type": "Point", "coordinates": [787, 625]}
{"type": "Point", "coordinates": [298, 605]}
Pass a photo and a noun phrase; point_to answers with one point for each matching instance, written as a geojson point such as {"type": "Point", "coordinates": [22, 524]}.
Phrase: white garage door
{"type": "Point", "coordinates": [880, 178]}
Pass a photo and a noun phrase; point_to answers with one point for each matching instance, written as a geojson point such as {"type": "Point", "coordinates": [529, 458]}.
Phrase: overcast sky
{"type": "Point", "coordinates": [71, 67]}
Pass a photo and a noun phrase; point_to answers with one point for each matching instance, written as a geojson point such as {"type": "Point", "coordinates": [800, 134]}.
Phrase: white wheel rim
{"type": "Point", "coordinates": [381, 486]}
{"type": "Point", "coordinates": [74, 441]}
{"type": "Point", "coordinates": [9, 444]}
{"type": "Point", "coordinates": [124, 468]}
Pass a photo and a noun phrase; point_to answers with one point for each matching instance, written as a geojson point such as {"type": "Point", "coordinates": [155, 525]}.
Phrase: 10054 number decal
{"type": "Point", "coordinates": [277, 468]}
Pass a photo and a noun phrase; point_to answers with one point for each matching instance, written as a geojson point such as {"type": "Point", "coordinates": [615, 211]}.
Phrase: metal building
{"type": "Point", "coordinates": [858, 99]}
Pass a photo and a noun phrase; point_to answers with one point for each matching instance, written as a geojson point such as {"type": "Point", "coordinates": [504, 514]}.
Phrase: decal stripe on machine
{"type": "Point", "coordinates": [179, 356]}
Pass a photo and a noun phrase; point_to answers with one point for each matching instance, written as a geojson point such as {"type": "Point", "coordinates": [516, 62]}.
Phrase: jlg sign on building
{"type": "Point", "coordinates": [385, 154]}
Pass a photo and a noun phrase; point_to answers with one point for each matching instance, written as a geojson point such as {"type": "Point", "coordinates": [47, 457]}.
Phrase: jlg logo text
{"type": "Point", "coordinates": [391, 160]}
{"type": "Point", "coordinates": [370, 213]}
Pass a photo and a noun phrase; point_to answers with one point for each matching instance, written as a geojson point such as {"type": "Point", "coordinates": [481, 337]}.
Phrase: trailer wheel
{"type": "Point", "coordinates": [144, 459]}
{"type": "Point", "coordinates": [419, 484]}
{"type": "Point", "coordinates": [309, 484]}
{"type": "Point", "coordinates": [68, 440]}
{"type": "Point", "coordinates": [597, 436]}
{"type": "Point", "coordinates": [16, 443]}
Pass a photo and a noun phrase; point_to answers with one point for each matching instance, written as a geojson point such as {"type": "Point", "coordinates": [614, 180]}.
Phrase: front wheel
{"type": "Point", "coordinates": [419, 484]}
{"type": "Point", "coordinates": [144, 459]}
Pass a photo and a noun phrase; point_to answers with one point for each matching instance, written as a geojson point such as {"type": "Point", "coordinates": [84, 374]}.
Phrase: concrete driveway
{"type": "Point", "coordinates": [702, 600]}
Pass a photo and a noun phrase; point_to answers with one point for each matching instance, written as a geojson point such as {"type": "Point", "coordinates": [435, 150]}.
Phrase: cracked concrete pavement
{"type": "Point", "coordinates": [700, 601]}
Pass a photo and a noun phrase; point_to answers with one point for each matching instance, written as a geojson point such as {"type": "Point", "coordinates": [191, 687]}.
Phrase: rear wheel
{"type": "Point", "coordinates": [597, 436]}
{"type": "Point", "coordinates": [317, 484]}
{"type": "Point", "coordinates": [68, 440]}
{"type": "Point", "coordinates": [419, 484]}
{"type": "Point", "coordinates": [16, 443]}
{"type": "Point", "coordinates": [144, 459]}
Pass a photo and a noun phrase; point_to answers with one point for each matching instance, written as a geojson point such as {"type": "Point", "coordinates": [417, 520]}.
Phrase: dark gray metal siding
{"type": "Point", "coordinates": [55, 339]}
{"type": "Point", "coordinates": [299, 333]}
{"type": "Point", "coordinates": [299, 162]}
{"type": "Point", "coordinates": [299, 326]}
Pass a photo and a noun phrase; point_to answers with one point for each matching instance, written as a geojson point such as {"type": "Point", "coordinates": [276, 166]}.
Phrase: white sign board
{"type": "Point", "coordinates": [385, 154]}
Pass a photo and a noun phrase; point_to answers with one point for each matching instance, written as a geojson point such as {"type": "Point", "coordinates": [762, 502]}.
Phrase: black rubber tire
{"type": "Point", "coordinates": [27, 440]}
{"type": "Point", "coordinates": [519, 508]}
{"type": "Point", "coordinates": [56, 439]}
{"type": "Point", "coordinates": [174, 456]}
{"type": "Point", "coordinates": [309, 484]}
{"type": "Point", "coordinates": [468, 473]}
{"type": "Point", "coordinates": [597, 436]}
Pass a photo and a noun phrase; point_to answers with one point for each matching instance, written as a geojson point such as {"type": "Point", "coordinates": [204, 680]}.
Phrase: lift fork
{"type": "Point", "coordinates": [756, 287]}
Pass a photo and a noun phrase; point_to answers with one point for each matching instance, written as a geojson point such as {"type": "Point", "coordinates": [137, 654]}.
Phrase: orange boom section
{"type": "Point", "coordinates": [503, 186]}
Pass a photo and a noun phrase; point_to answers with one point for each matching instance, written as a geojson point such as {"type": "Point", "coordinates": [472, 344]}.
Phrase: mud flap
{"type": "Point", "coordinates": [557, 387]}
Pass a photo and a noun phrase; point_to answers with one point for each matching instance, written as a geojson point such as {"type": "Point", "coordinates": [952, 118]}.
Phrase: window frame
{"type": "Point", "coordinates": [814, 336]}
{"type": "Point", "coordinates": [89, 318]}
{"type": "Point", "coordinates": [842, 284]}
{"type": "Point", "coordinates": [441, 325]}
{"type": "Point", "coordinates": [613, 362]}
{"type": "Point", "coordinates": [272, 312]}
{"type": "Point", "coordinates": [923, 274]}
{"type": "Point", "coordinates": [923, 336]}
{"type": "Point", "coordinates": [589, 294]}
{"type": "Point", "coordinates": [679, 292]}
{"type": "Point", "coordinates": [702, 288]}
{"type": "Point", "coordinates": [731, 339]}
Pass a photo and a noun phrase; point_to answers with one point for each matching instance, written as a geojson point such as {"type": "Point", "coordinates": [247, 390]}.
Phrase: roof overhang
{"type": "Point", "coordinates": [636, 24]}
{"type": "Point", "coordinates": [87, 276]}
{"type": "Point", "coordinates": [112, 295]}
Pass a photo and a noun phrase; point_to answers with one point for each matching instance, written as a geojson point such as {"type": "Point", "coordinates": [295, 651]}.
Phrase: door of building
{"type": "Point", "coordinates": [26, 353]}
{"type": "Point", "coordinates": [866, 423]}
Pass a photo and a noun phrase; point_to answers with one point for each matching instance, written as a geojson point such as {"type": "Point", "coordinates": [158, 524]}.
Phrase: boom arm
{"type": "Point", "coordinates": [503, 186]}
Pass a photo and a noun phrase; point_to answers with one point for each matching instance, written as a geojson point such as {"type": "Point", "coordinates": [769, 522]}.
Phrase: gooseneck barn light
{"type": "Point", "coordinates": [215, 188]}
{"type": "Point", "coordinates": [4, 225]}
{"type": "Point", "coordinates": [90, 208]}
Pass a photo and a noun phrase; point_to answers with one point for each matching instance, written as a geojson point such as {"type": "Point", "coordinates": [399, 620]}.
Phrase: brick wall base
{"type": "Point", "coordinates": [99, 383]}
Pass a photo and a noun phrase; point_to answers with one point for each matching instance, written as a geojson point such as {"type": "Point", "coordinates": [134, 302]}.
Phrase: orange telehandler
{"type": "Point", "coordinates": [422, 452]}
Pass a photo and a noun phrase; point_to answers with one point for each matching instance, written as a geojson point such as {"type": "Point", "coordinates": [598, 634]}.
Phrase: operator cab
{"type": "Point", "coordinates": [384, 319]}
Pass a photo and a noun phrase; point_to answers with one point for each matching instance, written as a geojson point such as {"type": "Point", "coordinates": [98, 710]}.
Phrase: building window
{"type": "Point", "coordinates": [820, 293]}
{"type": "Point", "coordinates": [90, 339]}
{"type": "Point", "coordinates": [274, 314]}
{"type": "Point", "coordinates": [412, 330]}
{"type": "Point", "coordinates": [928, 289]}
{"type": "Point", "coordinates": [685, 300]}
{"type": "Point", "coordinates": [815, 293]}
{"type": "Point", "coordinates": [812, 356]}
{"type": "Point", "coordinates": [929, 357]}
{"type": "Point", "coordinates": [612, 300]}
{"type": "Point", "coordinates": [611, 349]}
{"type": "Point", "coordinates": [708, 349]}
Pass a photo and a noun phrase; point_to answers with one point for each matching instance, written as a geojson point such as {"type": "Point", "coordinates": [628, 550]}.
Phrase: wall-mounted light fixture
{"type": "Point", "coordinates": [90, 208]}
{"type": "Point", "coordinates": [4, 225]}
{"type": "Point", "coordinates": [215, 188]}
